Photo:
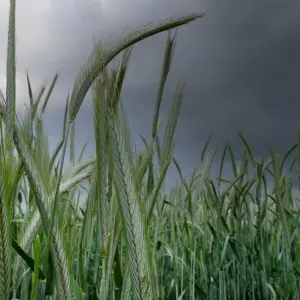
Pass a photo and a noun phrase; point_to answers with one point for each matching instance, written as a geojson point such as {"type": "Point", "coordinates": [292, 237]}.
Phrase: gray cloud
{"type": "Point", "coordinates": [240, 62]}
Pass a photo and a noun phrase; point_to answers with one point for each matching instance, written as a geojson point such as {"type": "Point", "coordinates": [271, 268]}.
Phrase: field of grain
{"type": "Point", "coordinates": [207, 238]}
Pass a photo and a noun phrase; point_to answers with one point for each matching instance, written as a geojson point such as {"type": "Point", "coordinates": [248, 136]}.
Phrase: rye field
{"type": "Point", "coordinates": [210, 237]}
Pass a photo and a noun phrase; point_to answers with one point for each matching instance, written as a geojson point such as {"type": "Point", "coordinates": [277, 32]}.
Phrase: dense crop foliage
{"type": "Point", "coordinates": [208, 238]}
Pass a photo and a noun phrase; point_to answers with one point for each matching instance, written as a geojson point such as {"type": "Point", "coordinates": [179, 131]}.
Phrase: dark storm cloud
{"type": "Point", "coordinates": [241, 65]}
{"type": "Point", "coordinates": [240, 62]}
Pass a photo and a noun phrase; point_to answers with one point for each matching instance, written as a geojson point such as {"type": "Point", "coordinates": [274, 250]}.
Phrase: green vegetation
{"type": "Point", "coordinates": [205, 239]}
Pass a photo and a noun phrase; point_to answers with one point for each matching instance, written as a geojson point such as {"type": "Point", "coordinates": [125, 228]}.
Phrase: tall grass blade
{"type": "Point", "coordinates": [11, 76]}
{"type": "Point", "coordinates": [42, 198]}
{"type": "Point", "coordinates": [131, 211]}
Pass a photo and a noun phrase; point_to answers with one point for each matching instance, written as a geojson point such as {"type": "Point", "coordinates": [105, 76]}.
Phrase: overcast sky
{"type": "Point", "coordinates": [241, 64]}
